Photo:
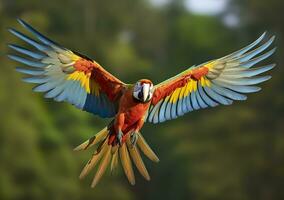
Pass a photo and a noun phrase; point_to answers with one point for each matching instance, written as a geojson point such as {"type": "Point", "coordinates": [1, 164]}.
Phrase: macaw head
{"type": "Point", "coordinates": [143, 90]}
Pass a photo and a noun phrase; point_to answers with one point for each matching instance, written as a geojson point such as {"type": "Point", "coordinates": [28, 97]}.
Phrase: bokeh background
{"type": "Point", "coordinates": [234, 152]}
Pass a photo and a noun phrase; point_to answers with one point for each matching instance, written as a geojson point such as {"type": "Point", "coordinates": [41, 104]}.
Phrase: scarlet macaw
{"type": "Point", "coordinates": [65, 75]}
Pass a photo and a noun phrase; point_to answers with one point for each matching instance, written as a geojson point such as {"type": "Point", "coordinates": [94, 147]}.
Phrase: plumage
{"type": "Point", "coordinates": [36, 79]}
{"type": "Point", "coordinates": [26, 52]}
{"type": "Point", "coordinates": [114, 161]}
{"type": "Point", "coordinates": [247, 48]}
{"type": "Point", "coordinates": [26, 61]}
{"type": "Point", "coordinates": [39, 36]}
{"type": "Point", "coordinates": [126, 164]}
{"type": "Point", "coordinates": [146, 149]}
{"type": "Point", "coordinates": [28, 40]}
{"type": "Point", "coordinates": [99, 153]}
{"type": "Point", "coordinates": [228, 93]}
{"type": "Point", "coordinates": [34, 72]}
{"type": "Point", "coordinates": [134, 152]}
{"type": "Point", "coordinates": [102, 167]}
{"type": "Point", "coordinates": [256, 60]}
{"type": "Point", "coordinates": [93, 140]}
{"type": "Point", "coordinates": [65, 75]}
{"type": "Point", "coordinates": [249, 55]}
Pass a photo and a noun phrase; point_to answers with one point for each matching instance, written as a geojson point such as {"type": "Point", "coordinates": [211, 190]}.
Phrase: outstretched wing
{"type": "Point", "coordinates": [210, 84]}
{"type": "Point", "coordinates": [65, 75]}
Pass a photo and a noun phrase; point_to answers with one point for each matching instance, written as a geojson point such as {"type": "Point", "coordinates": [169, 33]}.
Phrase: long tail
{"type": "Point", "coordinates": [106, 154]}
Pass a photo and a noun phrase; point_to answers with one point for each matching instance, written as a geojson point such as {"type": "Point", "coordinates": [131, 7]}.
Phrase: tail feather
{"type": "Point", "coordinates": [94, 160]}
{"type": "Point", "coordinates": [146, 149]}
{"type": "Point", "coordinates": [114, 161]}
{"type": "Point", "coordinates": [93, 140]}
{"type": "Point", "coordinates": [106, 155]}
{"type": "Point", "coordinates": [126, 164]}
{"type": "Point", "coordinates": [134, 152]}
{"type": "Point", "coordinates": [102, 167]}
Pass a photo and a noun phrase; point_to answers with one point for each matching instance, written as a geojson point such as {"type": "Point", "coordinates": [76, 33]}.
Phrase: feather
{"type": "Point", "coordinates": [256, 51]}
{"type": "Point", "coordinates": [245, 81]}
{"type": "Point", "coordinates": [26, 61]}
{"type": "Point", "coordinates": [200, 100]}
{"type": "Point", "coordinates": [103, 166]}
{"type": "Point", "coordinates": [93, 140]}
{"type": "Point", "coordinates": [28, 40]}
{"type": "Point", "coordinates": [26, 52]}
{"type": "Point", "coordinates": [217, 97]}
{"type": "Point", "coordinates": [114, 161]}
{"type": "Point", "coordinates": [180, 106]}
{"type": "Point", "coordinates": [146, 149]}
{"type": "Point", "coordinates": [48, 85]}
{"type": "Point", "coordinates": [247, 73]}
{"type": "Point", "coordinates": [156, 114]}
{"type": "Point", "coordinates": [184, 106]}
{"type": "Point", "coordinates": [238, 88]}
{"type": "Point", "coordinates": [94, 160]}
{"type": "Point", "coordinates": [168, 110]}
{"type": "Point", "coordinates": [41, 37]}
{"type": "Point", "coordinates": [56, 91]}
{"type": "Point", "coordinates": [30, 71]}
{"type": "Point", "coordinates": [174, 110]}
{"type": "Point", "coordinates": [188, 103]}
{"type": "Point", "coordinates": [194, 101]}
{"type": "Point", "coordinates": [67, 92]}
{"type": "Point", "coordinates": [247, 48]}
{"type": "Point", "coordinates": [138, 160]}
{"type": "Point", "coordinates": [228, 93]}
{"type": "Point", "coordinates": [204, 96]}
{"type": "Point", "coordinates": [256, 60]}
{"type": "Point", "coordinates": [81, 100]}
{"type": "Point", "coordinates": [36, 79]}
{"type": "Point", "coordinates": [163, 110]}
{"type": "Point", "coordinates": [126, 164]}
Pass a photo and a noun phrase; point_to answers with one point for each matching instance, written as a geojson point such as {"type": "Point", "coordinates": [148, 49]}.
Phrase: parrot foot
{"type": "Point", "coordinates": [134, 138]}
{"type": "Point", "coordinates": [119, 137]}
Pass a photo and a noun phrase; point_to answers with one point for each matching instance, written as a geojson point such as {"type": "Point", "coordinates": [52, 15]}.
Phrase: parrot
{"type": "Point", "coordinates": [68, 76]}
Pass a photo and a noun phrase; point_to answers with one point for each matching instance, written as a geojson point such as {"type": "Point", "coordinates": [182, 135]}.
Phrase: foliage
{"type": "Point", "coordinates": [231, 152]}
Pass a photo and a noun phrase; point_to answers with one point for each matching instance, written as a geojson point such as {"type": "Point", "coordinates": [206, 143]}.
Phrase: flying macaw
{"type": "Point", "coordinates": [66, 75]}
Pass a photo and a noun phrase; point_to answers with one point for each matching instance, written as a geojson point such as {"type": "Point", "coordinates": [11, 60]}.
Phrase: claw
{"type": "Point", "coordinates": [119, 137]}
{"type": "Point", "coordinates": [134, 138]}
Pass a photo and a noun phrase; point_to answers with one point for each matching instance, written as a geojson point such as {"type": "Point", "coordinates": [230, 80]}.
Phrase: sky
{"type": "Point", "coordinates": [206, 7]}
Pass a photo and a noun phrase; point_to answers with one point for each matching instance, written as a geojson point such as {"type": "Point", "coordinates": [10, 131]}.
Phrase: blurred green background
{"type": "Point", "coordinates": [234, 152]}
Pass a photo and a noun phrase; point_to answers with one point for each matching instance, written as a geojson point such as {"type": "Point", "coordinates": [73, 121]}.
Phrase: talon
{"type": "Point", "coordinates": [119, 137]}
{"type": "Point", "coordinates": [134, 138]}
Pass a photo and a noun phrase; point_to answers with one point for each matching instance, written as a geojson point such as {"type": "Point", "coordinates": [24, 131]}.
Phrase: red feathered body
{"type": "Point", "coordinates": [130, 116]}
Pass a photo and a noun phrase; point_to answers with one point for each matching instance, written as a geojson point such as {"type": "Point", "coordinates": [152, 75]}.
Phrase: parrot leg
{"type": "Point", "coordinates": [135, 133]}
{"type": "Point", "coordinates": [119, 137]}
{"type": "Point", "coordinates": [134, 138]}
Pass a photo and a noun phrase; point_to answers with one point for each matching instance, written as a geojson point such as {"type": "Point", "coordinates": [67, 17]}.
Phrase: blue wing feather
{"type": "Point", "coordinates": [27, 52]}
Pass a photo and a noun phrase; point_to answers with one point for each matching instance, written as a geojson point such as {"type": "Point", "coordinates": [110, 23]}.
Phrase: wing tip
{"type": "Point", "coordinates": [272, 65]}
{"type": "Point", "coordinates": [12, 30]}
{"type": "Point", "coordinates": [12, 57]}
{"type": "Point", "coordinates": [20, 21]}
{"type": "Point", "coordinates": [12, 46]}
{"type": "Point", "coordinates": [24, 24]}
{"type": "Point", "coordinates": [266, 78]}
{"type": "Point", "coordinates": [263, 34]}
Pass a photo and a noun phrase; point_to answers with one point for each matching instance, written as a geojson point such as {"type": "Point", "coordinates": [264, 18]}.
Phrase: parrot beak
{"type": "Point", "coordinates": [146, 90]}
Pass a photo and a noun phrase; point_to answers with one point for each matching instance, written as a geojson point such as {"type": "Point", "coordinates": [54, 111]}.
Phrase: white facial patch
{"type": "Point", "coordinates": [143, 91]}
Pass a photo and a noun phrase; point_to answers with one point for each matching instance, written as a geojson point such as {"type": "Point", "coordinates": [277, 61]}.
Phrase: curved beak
{"type": "Point", "coordinates": [145, 90]}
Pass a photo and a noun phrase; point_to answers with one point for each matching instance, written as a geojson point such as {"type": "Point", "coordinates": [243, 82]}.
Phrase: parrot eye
{"type": "Point", "coordinates": [140, 95]}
